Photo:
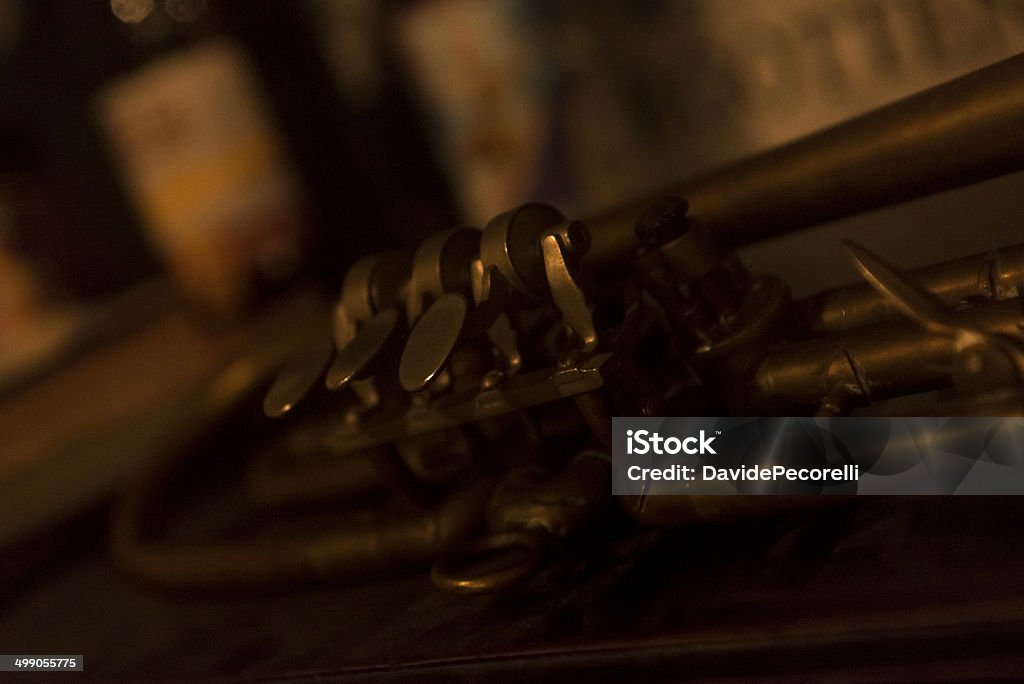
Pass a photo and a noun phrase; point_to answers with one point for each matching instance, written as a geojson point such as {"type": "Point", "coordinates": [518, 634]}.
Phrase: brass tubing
{"type": "Point", "coordinates": [383, 544]}
{"type": "Point", "coordinates": [997, 274]}
{"type": "Point", "coordinates": [356, 549]}
{"type": "Point", "coordinates": [955, 134]}
{"type": "Point", "coordinates": [870, 363]}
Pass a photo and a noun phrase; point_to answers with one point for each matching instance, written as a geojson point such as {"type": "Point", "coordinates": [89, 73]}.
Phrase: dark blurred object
{"type": "Point", "coordinates": [65, 51]}
{"type": "Point", "coordinates": [185, 125]}
{"type": "Point", "coordinates": [35, 320]}
{"type": "Point", "coordinates": [362, 152]}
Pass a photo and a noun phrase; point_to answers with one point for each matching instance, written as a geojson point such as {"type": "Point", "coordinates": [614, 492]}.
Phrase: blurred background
{"type": "Point", "coordinates": [183, 179]}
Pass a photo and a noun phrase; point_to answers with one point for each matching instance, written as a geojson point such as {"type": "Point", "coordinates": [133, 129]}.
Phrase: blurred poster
{"type": "Point", "coordinates": [587, 103]}
{"type": "Point", "coordinates": [207, 169]}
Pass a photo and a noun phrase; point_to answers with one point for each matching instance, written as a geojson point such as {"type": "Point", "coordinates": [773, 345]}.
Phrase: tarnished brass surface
{"type": "Point", "coordinates": [997, 274]}
{"type": "Point", "coordinates": [871, 363]}
{"type": "Point", "coordinates": [297, 378]}
{"type": "Point", "coordinates": [952, 135]}
{"type": "Point", "coordinates": [460, 357]}
{"type": "Point", "coordinates": [366, 350]}
{"type": "Point", "coordinates": [432, 341]}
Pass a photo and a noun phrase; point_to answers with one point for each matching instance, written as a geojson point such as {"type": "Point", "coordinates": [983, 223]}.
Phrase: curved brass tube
{"type": "Point", "coordinates": [380, 546]}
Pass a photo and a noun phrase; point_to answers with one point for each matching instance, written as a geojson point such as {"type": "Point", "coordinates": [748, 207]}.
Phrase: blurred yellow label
{"type": "Point", "coordinates": [204, 163]}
